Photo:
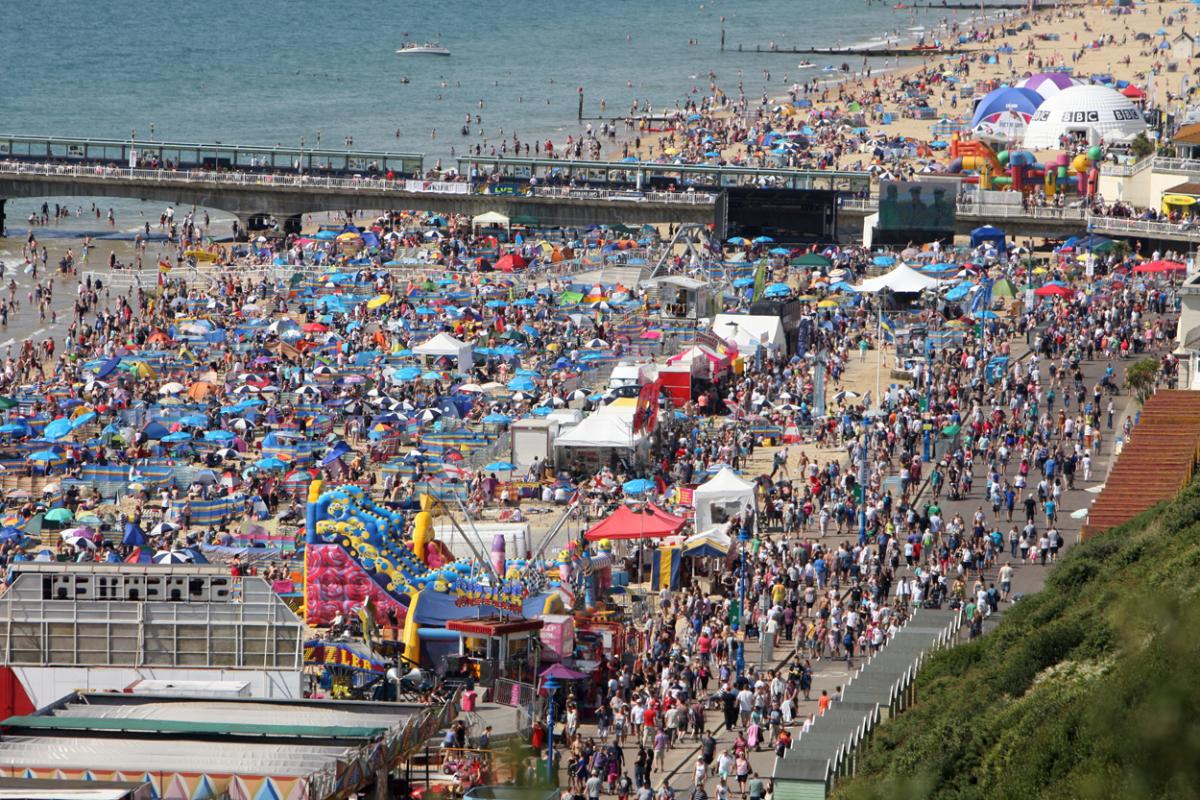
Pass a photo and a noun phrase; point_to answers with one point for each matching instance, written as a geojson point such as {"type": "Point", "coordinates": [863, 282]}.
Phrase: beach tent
{"type": "Point", "coordinates": [724, 496]}
{"type": "Point", "coordinates": [901, 279]}
{"type": "Point", "coordinates": [750, 331]}
{"type": "Point", "coordinates": [625, 523]}
{"type": "Point", "coordinates": [1004, 113]}
{"type": "Point", "coordinates": [490, 218]}
{"type": "Point", "coordinates": [989, 234]}
{"type": "Point", "coordinates": [446, 345]}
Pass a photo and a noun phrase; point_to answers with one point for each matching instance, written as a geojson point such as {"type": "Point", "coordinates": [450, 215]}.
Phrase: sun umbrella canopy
{"type": "Point", "coordinates": [59, 515]}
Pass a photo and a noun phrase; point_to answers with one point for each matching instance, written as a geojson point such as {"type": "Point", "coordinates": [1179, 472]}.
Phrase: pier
{"type": "Point", "coordinates": [884, 52]}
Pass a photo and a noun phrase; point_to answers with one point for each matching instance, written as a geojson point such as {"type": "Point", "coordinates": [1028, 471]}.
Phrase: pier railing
{"type": "Point", "coordinates": [355, 183]}
{"type": "Point", "coordinates": [1163, 230]}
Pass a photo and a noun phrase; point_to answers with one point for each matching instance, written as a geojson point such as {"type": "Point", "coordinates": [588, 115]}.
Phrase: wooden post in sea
{"type": "Point", "coordinates": [722, 33]}
{"type": "Point", "coordinates": [579, 115]}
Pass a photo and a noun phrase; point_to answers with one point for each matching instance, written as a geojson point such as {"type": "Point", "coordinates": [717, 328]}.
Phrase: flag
{"type": "Point", "coordinates": [760, 279]}
{"type": "Point", "coordinates": [889, 330]}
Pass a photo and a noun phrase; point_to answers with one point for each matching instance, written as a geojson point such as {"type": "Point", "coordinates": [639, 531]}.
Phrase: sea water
{"type": "Point", "coordinates": [282, 73]}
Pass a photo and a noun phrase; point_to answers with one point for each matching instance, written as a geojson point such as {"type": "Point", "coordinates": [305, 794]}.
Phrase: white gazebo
{"type": "Point", "coordinates": [723, 497]}
{"type": "Point", "coordinates": [902, 279]}
{"type": "Point", "coordinates": [490, 219]}
{"type": "Point", "coordinates": [446, 345]}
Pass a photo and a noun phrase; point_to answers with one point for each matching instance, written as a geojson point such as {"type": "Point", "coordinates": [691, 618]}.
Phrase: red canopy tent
{"type": "Point", "coordinates": [625, 523]}
{"type": "Point", "coordinates": [1049, 290]}
{"type": "Point", "coordinates": [1133, 92]}
{"type": "Point", "coordinates": [1161, 266]}
{"type": "Point", "coordinates": [510, 262]}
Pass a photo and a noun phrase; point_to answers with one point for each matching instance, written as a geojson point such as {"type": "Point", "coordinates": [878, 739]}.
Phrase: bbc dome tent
{"type": "Point", "coordinates": [1094, 113]}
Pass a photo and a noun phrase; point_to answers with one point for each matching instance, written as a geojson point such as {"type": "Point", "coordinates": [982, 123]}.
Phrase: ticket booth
{"type": "Point", "coordinates": [499, 648]}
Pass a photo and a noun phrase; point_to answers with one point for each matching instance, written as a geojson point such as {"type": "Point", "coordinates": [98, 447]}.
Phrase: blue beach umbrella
{"type": "Point", "coordinates": [57, 429]}
{"type": "Point", "coordinates": [638, 486]}
{"type": "Point", "coordinates": [500, 466]}
{"type": "Point", "coordinates": [133, 535]}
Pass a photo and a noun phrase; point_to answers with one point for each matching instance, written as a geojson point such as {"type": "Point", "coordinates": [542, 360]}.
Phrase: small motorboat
{"type": "Point", "coordinates": [417, 48]}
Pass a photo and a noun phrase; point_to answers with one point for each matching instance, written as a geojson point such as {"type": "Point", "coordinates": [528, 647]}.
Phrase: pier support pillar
{"type": "Point", "coordinates": [3, 232]}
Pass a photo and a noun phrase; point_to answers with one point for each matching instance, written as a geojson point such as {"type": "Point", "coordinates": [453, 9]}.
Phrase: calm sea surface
{"type": "Point", "coordinates": [278, 72]}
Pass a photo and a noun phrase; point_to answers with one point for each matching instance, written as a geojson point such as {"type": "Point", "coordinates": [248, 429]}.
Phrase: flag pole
{"type": "Point", "coordinates": [879, 338]}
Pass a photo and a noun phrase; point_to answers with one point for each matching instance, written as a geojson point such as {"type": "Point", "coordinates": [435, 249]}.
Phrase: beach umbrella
{"type": "Point", "coordinates": [46, 457]}
{"type": "Point", "coordinates": [57, 429]}
{"type": "Point", "coordinates": [173, 557]}
{"type": "Point", "coordinates": [81, 541]}
{"type": "Point", "coordinates": [270, 462]}
{"type": "Point", "coordinates": [638, 486]}
{"type": "Point", "coordinates": [7, 402]}
{"type": "Point", "coordinates": [777, 290]}
{"type": "Point", "coordinates": [171, 387]}
{"type": "Point", "coordinates": [521, 384]}
{"type": "Point", "coordinates": [500, 466]}
{"type": "Point", "coordinates": [737, 241]}
{"type": "Point", "coordinates": [11, 534]}
{"type": "Point", "coordinates": [218, 436]}
{"type": "Point", "coordinates": [107, 367]}
{"type": "Point", "coordinates": [163, 527]}
{"type": "Point", "coordinates": [83, 419]}
{"type": "Point", "coordinates": [133, 535]}
{"type": "Point", "coordinates": [951, 430]}
{"type": "Point", "coordinates": [177, 436]}
{"type": "Point", "coordinates": [763, 240]}
{"type": "Point", "coordinates": [59, 515]}
{"type": "Point", "coordinates": [378, 301]}
{"type": "Point", "coordinates": [497, 419]}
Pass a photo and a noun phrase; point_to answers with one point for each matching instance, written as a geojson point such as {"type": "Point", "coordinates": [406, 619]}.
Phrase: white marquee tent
{"type": "Point", "coordinates": [611, 426]}
{"type": "Point", "coordinates": [901, 279]}
{"type": "Point", "coordinates": [489, 218]}
{"type": "Point", "coordinates": [724, 496]}
{"type": "Point", "coordinates": [749, 331]}
{"type": "Point", "coordinates": [446, 345]}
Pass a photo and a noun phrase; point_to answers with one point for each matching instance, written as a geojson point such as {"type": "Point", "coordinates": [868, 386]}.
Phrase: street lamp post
{"type": "Point", "coordinates": [551, 686]}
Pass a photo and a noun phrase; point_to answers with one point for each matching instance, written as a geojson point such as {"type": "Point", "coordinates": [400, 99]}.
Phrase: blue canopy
{"type": "Point", "coordinates": [1006, 98]}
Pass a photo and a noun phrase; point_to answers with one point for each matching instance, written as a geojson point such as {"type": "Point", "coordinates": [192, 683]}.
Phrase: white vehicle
{"type": "Point", "coordinates": [417, 48]}
{"type": "Point", "coordinates": [627, 378]}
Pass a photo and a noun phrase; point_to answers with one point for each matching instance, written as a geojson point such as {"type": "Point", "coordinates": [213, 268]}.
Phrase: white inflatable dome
{"type": "Point", "coordinates": [1093, 112]}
